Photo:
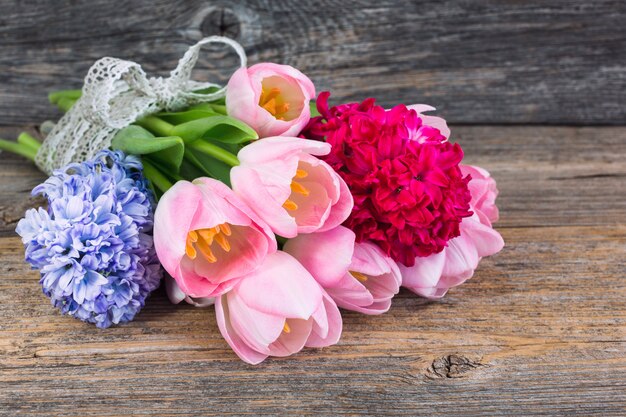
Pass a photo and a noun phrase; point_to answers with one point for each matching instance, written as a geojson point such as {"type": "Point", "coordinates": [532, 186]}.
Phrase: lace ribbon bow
{"type": "Point", "coordinates": [117, 93]}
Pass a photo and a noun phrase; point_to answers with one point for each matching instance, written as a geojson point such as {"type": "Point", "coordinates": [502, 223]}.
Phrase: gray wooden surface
{"type": "Point", "coordinates": [541, 328]}
{"type": "Point", "coordinates": [556, 62]}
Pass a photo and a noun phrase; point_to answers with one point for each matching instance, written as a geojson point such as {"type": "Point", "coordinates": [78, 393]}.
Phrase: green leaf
{"type": "Point", "coordinates": [213, 106]}
{"type": "Point", "coordinates": [215, 128]}
{"type": "Point", "coordinates": [208, 90]}
{"type": "Point", "coordinates": [313, 107]}
{"type": "Point", "coordinates": [193, 113]}
{"type": "Point", "coordinates": [212, 90]}
{"type": "Point", "coordinates": [167, 152]}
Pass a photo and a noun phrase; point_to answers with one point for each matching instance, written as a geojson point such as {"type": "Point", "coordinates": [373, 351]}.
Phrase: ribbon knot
{"type": "Point", "coordinates": [117, 93]}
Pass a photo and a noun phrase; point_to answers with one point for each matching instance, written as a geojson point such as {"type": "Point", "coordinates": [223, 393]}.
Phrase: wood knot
{"type": "Point", "coordinates": [452, 366]}
{"type": "Point", "coordinates": [221, 21]}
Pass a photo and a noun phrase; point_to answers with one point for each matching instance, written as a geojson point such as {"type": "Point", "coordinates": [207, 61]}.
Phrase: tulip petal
{"type": "Point", "coordinates": [248, 248]}
{"type": "Point", "coordinates": [327, 324]}
{"type": "Point", "coordinates": [486, 240]}
{"type": "Point", "coordinates": [173, 218]}
{"type": "Point", "coordinates": [287, 288]}
{"type": "Point", "coordinates": [484, 192]}
{"type": "Point", "coordinates": [274, 179]}
{"type": "Point", "coordinates": [174, 293]}
{"type": "Point", "coordinates": [349, 293]}
{"type": "Point", "coordinates": [383, 287]}
{"type": "Point", "coordinates": [326, 255]}
{"type": "Point", "coordinates": [369, 259]}
{"type": "Point", "coordinates": [425, 273]}
{"type": "Point", "coordinates": [373, 308]}
{"type": "Point", "coordinates": [242, 97]}
{"type": "Point", "coordinates": [341, 209]}
{"type": "Point", "coordinates": [268, 69]}
{"type": "Point", "coordinates": [461, 258]}
{"type": "Point", "coordinates": [257, 329]}
{"type": "Point", "coordinates": [220, 205]}
{"type": "Point", "coordinates": [421, 108]}
{"type": "Point", "coordinates": [434, 121]}
{"type": "Point", "coordinates": [292, 342]}
{"type": "Point", "coordinates": [245, 352]}
{"type": "Point", "coordinates": [431, 293]}
{"type": "Point", "coordinates": [247, 184]}
{"type": "Point", "coordinates": [198, 286]}
{"type": "Point", "coordinates": [280, 148]}
{"type": "Point", "coordinates": [312, 210]}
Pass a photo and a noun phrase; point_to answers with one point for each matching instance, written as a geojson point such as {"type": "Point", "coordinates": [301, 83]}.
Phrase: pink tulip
{"type": "Point", "coordinates": [430, 121]}
{"type": "Point", "coordinates": [207, 239]}
{"type": "Point", "coordinates": [289, 188]}
{"type": "Point", "coordinates": [276, 311]}
{"type": "Point", "coordinates": [484, 193]}
{"type": "Point", "coordinates": [433, 275]}
{"type": "Point", "coordinates": [176, 295]}
{"type": "Point", "coordinates": [359, 277]}
{"type": "Point", "coordinates": [273, 99]}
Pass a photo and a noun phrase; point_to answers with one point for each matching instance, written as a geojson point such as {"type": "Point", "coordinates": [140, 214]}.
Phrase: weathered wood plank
{"type": "Point", "coordinates": [540, 329]}
{"type": "Point", "coordinates": [557, 62]}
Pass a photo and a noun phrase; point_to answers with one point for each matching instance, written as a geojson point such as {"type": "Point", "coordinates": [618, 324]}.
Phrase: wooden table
{"type": "Point", "coordinates": [529, 91]}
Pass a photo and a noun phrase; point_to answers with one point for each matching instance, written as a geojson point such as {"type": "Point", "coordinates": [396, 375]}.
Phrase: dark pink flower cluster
{"type": "Point", "coordinates": [409, 193]}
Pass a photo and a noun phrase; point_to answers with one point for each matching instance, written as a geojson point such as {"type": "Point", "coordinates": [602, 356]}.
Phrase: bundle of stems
{"type": "Point", "coordinates": [199, 141]}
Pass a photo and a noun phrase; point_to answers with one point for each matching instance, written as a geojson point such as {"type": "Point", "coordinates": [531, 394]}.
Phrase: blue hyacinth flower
{"type": "Point", "coordinates": [93, 246]}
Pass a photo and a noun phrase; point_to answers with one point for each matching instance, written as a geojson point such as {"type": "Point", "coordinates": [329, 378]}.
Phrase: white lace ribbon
{"type": "Point", "coordinates": [116, 93]}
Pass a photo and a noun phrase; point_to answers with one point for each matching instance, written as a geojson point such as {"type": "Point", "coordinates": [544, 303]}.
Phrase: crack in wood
{"type": "Point", "coordinates": [590, 176]}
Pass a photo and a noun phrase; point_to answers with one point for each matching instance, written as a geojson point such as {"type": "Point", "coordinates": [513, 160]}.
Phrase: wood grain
{"type": "Point", "coordinates": [539, 330]}
{"type": "Point", "coordinates": [555, 62]}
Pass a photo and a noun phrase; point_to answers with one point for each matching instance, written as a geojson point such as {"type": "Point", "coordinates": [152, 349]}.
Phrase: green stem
{"type": "Point", "coordinates": [215, 151]}
{"type": "Point", "coordinates": [155, 176]}
{"type": "Point", "coordinates": [18, 148]}
{"type": "Point", "coordinates": [157, 126]}
{"type": "Point", "coordinates": [65, 103]}
{"type": "Point", "coordinates": [27, 140]}
{"type": "Point", "coordinates": [55, 96]}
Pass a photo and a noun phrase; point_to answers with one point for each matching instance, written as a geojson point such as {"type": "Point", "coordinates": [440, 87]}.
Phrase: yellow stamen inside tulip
{"type": "Point", "coordinates": [225, 228]}
{"type": "Point", "coordinates": [272, 101]}
{"type": "Point", "coordinates": [190, 251]}
{"type": "Point", "coordinates": [286, 328]}
{"type": "Point", "coordinates": [207, 235]}
{"type": "Point", "coordinates": [201, 241]}
{"type": "Point", "coordinates": [290, 205]}
{"type": "Point", "coordinates": [222, 241]}
{"type": "Point", "coordinates": [206, 251]}
{"type": "Point", "coordinates": [296, 187]}
{"type": "Point", "coordinates": [359, 276]}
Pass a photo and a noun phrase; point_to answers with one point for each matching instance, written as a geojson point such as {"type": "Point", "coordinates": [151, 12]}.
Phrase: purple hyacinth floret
{"type": "Point", "coordinates": [93, 246]}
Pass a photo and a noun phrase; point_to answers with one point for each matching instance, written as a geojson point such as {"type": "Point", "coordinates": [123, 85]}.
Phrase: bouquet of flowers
{"type": "Point", "coordinates": [259, 198]}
